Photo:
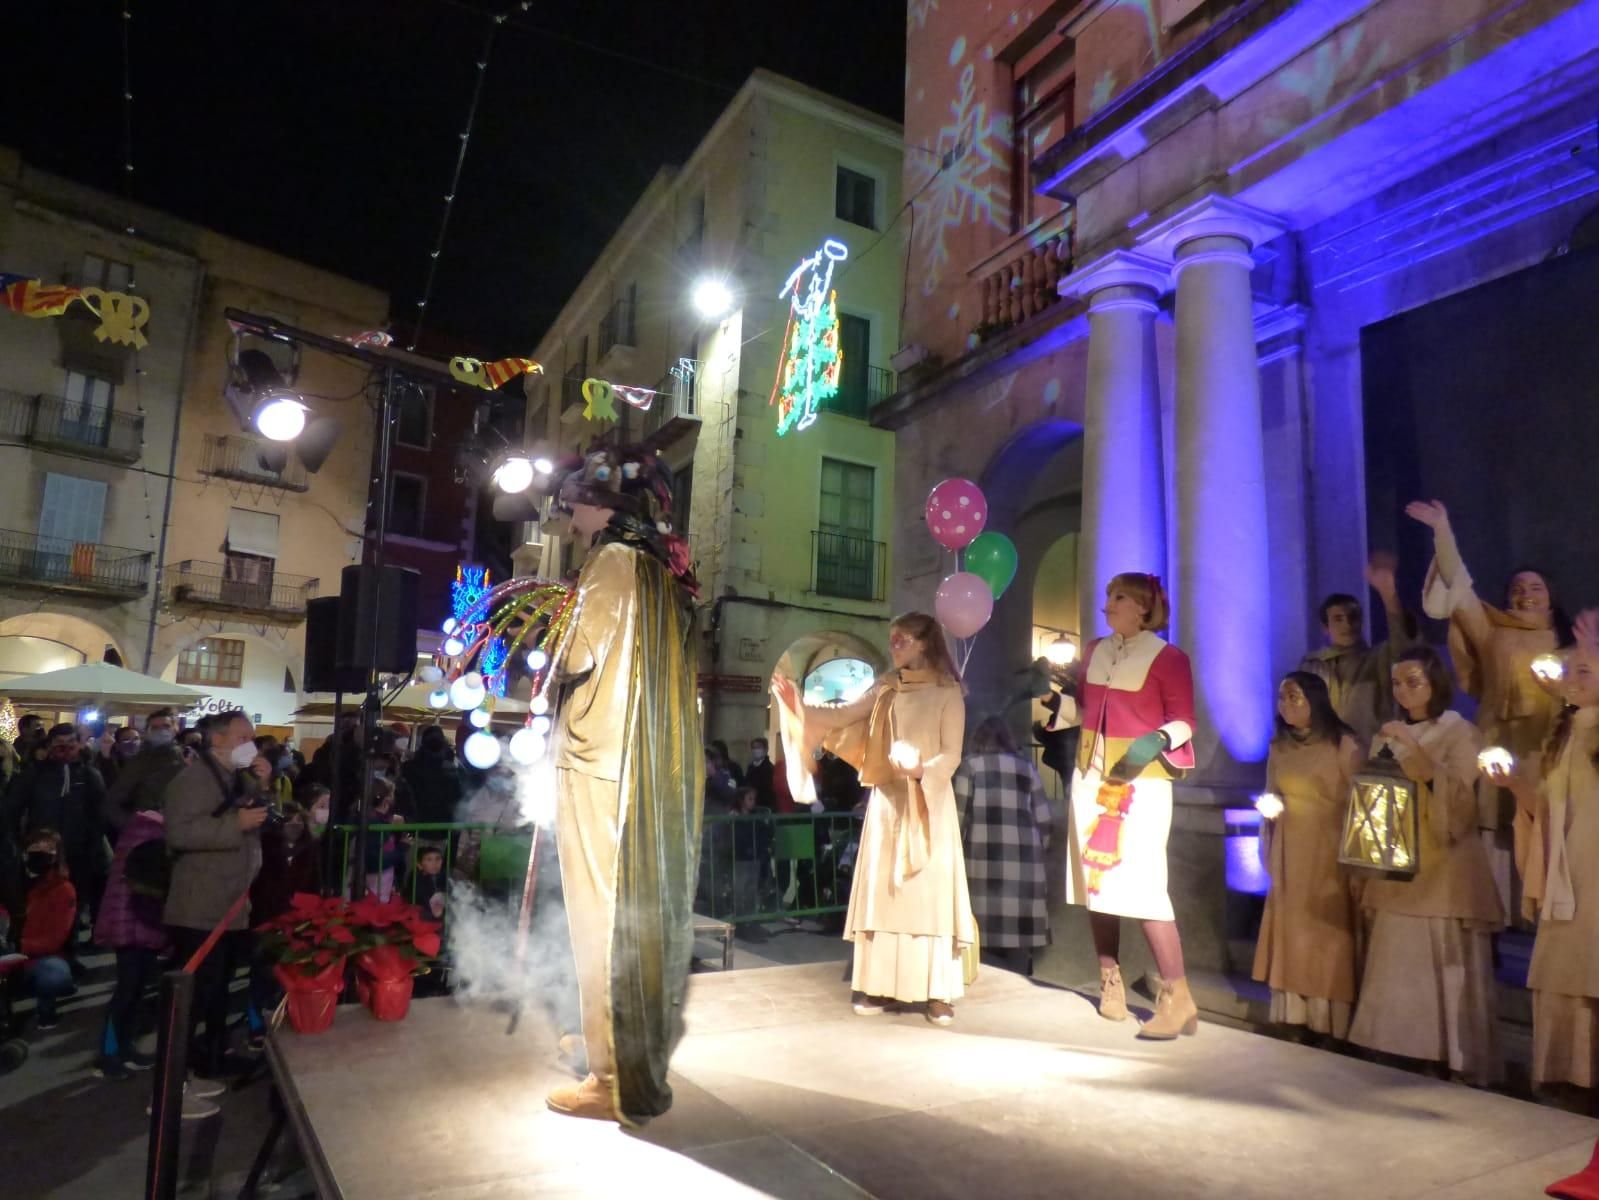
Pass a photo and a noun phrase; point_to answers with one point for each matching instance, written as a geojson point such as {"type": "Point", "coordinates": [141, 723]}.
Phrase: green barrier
{"type": "Point", "coordinates": [766, 866]}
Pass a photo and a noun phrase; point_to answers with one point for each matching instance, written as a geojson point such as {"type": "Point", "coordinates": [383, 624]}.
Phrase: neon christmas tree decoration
{"type": "Point", "coordinates": [812, 359]}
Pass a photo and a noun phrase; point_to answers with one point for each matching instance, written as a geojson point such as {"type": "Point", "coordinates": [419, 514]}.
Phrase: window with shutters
{"type": "Point", "coordinates": [252, 553]}
{"type": "Point", "coordinates": [847, 560]}
{"type": "Point", "coordinates": [215, 662]}
{"type": "Point", "coordinates": [86, 409]}
{"type": "Point", "coordinates": [855, 198]}
{"type": "Point", "coordinates": [73, 509]}
{"type": "Point", "coordinates": [106, 273]}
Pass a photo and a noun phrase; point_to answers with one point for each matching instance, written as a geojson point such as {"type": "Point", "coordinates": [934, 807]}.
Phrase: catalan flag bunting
{"type": "Point", "coordinates": [31, 298]}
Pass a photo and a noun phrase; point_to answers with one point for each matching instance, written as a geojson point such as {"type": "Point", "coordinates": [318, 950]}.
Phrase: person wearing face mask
{"type": "Point", "coordinates": [120, 745]}
{"type": "Point", "coordinates": [65, 794]}
{"type": "Point", "coordinates": [759, 775]}
{"type": "Point", "coordinates": [49, 921]}
{"type": "Point", "coordinates": [142, 778]}
{"type": "Point", "coordinates": [1427, 991]}
{"type": "Point", "coordinates": [214, 833]}
{"type": "Point", "coordinates": [1492, 650]}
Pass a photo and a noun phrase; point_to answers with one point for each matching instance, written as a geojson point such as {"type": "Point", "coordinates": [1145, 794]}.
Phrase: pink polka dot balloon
{"type": "Point", "coordinates": [956, 513]}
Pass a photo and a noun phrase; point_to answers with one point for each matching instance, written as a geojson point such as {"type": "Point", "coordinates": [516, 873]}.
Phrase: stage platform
{"type": "Point", "coordinates": [782, 1091]}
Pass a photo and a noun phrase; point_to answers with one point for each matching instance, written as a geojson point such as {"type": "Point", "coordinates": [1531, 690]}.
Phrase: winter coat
{"type": "Point", "coordinates": [50, 917]}
{"type": "Point", "coordinates": [128, 920]}
{"type": "Point", "coordinates": [69, 798]}
{"type": "Point", "coordinates": [141, 781]}
{"type": "Point", "coordinates": [285, 870]}
{"type": "Point", "coordinates": [435, 787]}
{"type": "Point", "coordinates": [214, 860]}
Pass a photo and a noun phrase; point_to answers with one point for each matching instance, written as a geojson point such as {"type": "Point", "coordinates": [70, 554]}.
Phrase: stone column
{"type": "Point", "coordinates": [1124, 497]}
{"type": "Point", "coordinates": [1224, 573]}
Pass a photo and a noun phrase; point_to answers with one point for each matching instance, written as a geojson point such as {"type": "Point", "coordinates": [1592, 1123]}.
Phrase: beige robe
{"type": "Point", "coordinates": [1562, 883]}
{"type": "Point", "coordinates": [1306, 950]}
{"type": "Point", "coordinates": [1428, 989]}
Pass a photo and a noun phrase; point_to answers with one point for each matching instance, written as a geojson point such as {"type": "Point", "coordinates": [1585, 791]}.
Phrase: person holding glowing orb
{"type": "Point", "coordinates": [628, 778]}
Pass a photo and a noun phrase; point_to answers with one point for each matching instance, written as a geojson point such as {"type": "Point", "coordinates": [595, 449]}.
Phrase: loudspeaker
{"type": "Point", "coordinates": [320, 672]}
{"type": "Point", "coordinates": [395, 604]}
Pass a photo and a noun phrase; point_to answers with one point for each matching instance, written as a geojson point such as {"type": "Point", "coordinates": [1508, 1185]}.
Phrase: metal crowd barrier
{"type": "Point", "coordinates": [766, 866]}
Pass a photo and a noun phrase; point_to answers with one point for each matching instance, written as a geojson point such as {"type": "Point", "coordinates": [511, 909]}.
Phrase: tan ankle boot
{"type": "Point", "coordinates": [592, 1099]}
{"type": "Point", "coordinates": [1112, 995]}
{"type": "Point", "coordinates": [1175, 1013]}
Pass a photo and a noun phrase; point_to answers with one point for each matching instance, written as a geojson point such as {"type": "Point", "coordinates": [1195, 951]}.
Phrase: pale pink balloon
{"type": "Point", "coordinates": [956, 513]}
{"type": "Point", "coordinates": [963, 604]}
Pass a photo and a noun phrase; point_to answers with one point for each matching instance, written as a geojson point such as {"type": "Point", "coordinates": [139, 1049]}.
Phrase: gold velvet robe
{"type": "Point", "coordinates": [630, 775]}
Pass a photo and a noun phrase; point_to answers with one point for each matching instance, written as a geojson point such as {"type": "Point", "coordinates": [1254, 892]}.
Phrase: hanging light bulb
{"type": "Point", "coordinates": [482, 750]}
{"type": "Point", "coordinates": [430, 674]}
{"type": "Point", "coordinates": [537, 660]}
{"type": "Point", "coordinates": [281, 417]}
{"type": "Point", "coordinates": [539, 705]}
{"type": "Point", "coordinates": [541, 726]}
{"type": "Point", "coordinates": [449, 625]}
{"type": "Point", "coordinates": [438, 698]}
{"type": "Point", "coordinates": [454, 647]}
{"type": "Point", "coordinates": [480, 717]}
{"type": "Point", "coordinates": [527, 746]}
{"type": "Point", "coordinates": [466, 693]}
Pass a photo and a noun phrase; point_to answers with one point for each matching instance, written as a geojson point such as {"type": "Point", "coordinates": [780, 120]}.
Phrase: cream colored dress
{"type": "Point", "coordinates": [1428, 988]}
{"type": "Point", "coordinates": [1306, 950]}
{"type": "Point", "coordinates": [1562, 884]}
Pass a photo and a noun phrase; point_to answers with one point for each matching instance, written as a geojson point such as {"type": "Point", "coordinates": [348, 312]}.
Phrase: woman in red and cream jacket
{"type": "Point", "coordinates": [1135, 703]}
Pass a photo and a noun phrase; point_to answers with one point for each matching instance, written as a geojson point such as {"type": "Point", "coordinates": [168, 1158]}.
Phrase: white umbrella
{"type": "Point", "coordinates": [97, 685]}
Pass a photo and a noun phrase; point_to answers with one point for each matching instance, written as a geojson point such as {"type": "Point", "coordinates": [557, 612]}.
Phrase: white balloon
{"type": "Point", "coordinates": [482, 750]}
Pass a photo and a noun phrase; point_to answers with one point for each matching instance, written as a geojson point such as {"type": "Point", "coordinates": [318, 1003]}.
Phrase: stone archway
{"type": "Point", "coordinates": [812, 650]}
{"type": "Point", "coordinates": [32, 643]}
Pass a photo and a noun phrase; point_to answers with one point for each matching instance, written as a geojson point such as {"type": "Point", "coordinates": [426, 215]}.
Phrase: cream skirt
{"type": "Point", "coordinates": [1565, 1036]}
{"type": "Point", "coordinates": [1316, 1013]}
{"type": "Point", "coordinates": [909, 967]}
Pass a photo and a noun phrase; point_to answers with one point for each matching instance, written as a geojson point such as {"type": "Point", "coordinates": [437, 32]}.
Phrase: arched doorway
{"type": "Point", "coordinates": [33, 643]}
{"type": "Point", "coordinates": [832, 665]}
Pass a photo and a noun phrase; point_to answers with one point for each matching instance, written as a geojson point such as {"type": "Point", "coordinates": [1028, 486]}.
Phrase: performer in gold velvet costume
{"type": "Point", "coordinates": [629, 777]}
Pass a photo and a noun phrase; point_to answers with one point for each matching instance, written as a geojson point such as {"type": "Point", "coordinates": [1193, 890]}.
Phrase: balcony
{"type": "Point", "coordinates": [851, 568]}
{"type": "Point", "coordinates": [72, 427]}
{"type": "Point", "coordinates": [572, 394]}
{"type": "Point", "coordinates": [674, 411]}
{"type": "Point", "coordinates": [1020, 282]}
{"type": "Point", "coordinates": [62, 565]}
{"type": "Point", "coordinates": [240, 585]}
{"type": "Point", "coordinates": [239, 458]}
{"type": "Point", "coordinates": [618, 339]}
{"type": "Point", "coordinates": [858, 394]}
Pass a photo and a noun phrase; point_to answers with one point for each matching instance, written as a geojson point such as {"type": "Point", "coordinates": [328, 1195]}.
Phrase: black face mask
{"type": "Point", "coordinates": [40, 861]}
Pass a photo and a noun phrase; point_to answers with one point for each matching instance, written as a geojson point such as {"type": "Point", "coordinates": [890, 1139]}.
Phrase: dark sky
{"type": "Point", "coordinates": [327, 129]}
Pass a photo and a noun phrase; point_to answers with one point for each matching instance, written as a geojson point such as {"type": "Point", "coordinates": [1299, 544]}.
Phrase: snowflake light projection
{"type": "Point", "coordinates": [812, 359]}
{"type": "Point", "coordinates": [975, 186]}
{"type": "Point", "coordinates": [918, 12]}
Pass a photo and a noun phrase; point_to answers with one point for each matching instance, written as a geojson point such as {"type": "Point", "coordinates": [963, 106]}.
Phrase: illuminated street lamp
{"type": "Point", "coordinates": [1062, 652]}
{"type": "Point", "coordinates": [515, 474]}
{"type": "Point", "coordinates": [712, 298]}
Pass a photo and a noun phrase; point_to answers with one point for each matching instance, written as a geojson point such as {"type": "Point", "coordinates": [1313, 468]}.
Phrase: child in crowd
{"type": "Point", "coordinates": [49, 920]}
{"type": "Point", "coordinates": [130, 924]}
{"type": "Point", "coordinates": [432, 888]}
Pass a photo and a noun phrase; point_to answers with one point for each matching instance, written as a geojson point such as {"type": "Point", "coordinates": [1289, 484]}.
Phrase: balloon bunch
{"type": "Point", "coordinates": [482, 644]}
{"type": "Point", "coordinates": [985, 562]}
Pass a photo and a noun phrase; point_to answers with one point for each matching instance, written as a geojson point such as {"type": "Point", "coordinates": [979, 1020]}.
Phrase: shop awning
{"type": "Point", "coordinates": [98, 685]}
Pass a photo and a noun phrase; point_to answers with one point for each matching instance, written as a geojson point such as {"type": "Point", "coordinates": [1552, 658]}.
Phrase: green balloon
{"type": "Point", "coordinates": [992, 558]}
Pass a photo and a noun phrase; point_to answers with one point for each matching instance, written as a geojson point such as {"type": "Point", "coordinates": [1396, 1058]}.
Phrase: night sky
{"type": "Point", "coordinates": [328, 129]}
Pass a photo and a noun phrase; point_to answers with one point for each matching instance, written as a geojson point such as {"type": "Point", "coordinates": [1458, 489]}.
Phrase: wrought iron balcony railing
{"type": "Point", "coordinates": [72, 426]}
{"type": "Point", "coordinates": [229, 456]}
{"type": "Point", "coordinates": [675, 407]}
{"type": "Point", "coordinates": [852, 568]}
{"type": "Point", "coordinates": [858, 394]}
{"type": "Point", "coordinates": [61, 564]}
{"type": "Point", "coordinates": [240, 586]}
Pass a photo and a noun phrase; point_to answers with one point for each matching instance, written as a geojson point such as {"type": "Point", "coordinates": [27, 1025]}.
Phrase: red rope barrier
{"type": "Point", "coordinates": [216, 933]}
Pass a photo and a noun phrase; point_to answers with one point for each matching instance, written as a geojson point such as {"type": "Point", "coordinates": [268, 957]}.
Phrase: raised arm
{"type": "Point", "coordinates": [1448, 591]}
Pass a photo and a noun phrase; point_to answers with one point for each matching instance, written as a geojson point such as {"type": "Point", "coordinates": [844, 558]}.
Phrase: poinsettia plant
{"type": "Point", "coordinates": [311, 936]}
{"type": "Point", "coordinates": [393, 938]}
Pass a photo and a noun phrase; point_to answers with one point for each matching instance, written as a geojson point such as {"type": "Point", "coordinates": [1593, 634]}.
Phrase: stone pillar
{"type": "Point", "coordinates": [1224, 573]}
{"type": "Point", "coordinates": [1124, 505]}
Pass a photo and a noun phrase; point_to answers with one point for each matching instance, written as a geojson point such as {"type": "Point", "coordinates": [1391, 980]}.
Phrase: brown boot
{"type": "Point", "coordinates": [1112, 995]}
{"type": "Point", "coordinates": [592, 1099]}
{"type": "Point", "coordinates": [1175, 1013]}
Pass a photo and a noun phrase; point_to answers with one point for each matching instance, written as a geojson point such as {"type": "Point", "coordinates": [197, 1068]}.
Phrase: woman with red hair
{"type": "Point", "coordinates": [1135, 703]}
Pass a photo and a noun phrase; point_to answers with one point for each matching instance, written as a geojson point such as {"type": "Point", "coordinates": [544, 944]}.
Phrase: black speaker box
{"type": "Point", "coordinates": [321, 672]}
{"type": "Point", "coordinates": [395, 604]}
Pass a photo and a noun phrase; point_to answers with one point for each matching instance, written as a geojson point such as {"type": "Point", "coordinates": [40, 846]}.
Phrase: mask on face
{"type": "Point", "coordinates": [285, 762]}
{"type": "Point", "coordinates": [242, 755]}
{"type": "Point", "coordinates": [402, 744]}
{"type": "Point", "coordinates": [40, 861]}
{"type": "Point", "coordinates": [126, 748]}
{"type": "Point", "coordinates": [160, 737]}
{"type": "Point", "coordinates": [757, 755]}
{"type": "Point", "coordinates": [319, 818]}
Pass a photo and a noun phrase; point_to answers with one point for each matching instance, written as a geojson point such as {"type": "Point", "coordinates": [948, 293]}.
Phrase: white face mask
{"type": "Point", "coordinates": [402, 744]}
{"type": "Point", "coordinates": [242, 755]}
{"type": "Point", "coordinates": [757, 755]}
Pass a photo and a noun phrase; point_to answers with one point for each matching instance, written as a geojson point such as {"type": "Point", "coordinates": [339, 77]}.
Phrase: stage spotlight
{"type": "Point", "coordinates": [712, 298]}
{"type": "Point", "coordinates": [543, 466]}
{"type": "Point", "coordinates": [280, 416]}
{"type": "Point", "coordinates": [316, 443]}
{"type": "Point", "coordinates": [482, 750]}
{"type": "Point", "coordinates": [527, 746]}
{"type": "Point", "coordinates": [515, 474]}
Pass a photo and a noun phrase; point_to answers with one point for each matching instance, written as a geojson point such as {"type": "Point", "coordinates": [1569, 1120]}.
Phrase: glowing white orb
{"type": "Point", "coordinates": [539, 705]}
{"type": "Point", "coordinates": [480, 717]}
{"type": "Point", "coordinates": [1061, 652]}
{"type": "Point", "coordinates": [467, 692]}
{"type": "Point", "coordinates": [430, 674]}
{"type": "Point", "coordinates": [1550, 668]}
{"type": "Point", "coordinates": [537, 660]}
{"type": "Point", "coordinates": [454, 646]}
{"type": "Point", "coordinates": [1269, 805]}
{"type": "Point", "coordinates": [541, 725]}
{"type": "Point", "coordinates": [543, 466]}
{"type": "Point", "coordinates": [1496, 758]}
{"type": "Point", "coordinates": [482, 750]}
{"type": "Point", "coordinates": [438, 698]}
{"type": "Point", "coordinates": [527, 746]}
{"type": "Point", "coordinates": [449, 625]}
{"type": "Point", "coordinates": [281, 419]}
{"type": "Point", "coordinates": [712, 298]}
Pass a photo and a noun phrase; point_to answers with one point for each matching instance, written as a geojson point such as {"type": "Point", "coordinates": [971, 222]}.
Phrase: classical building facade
{"type": "Point", "coordinates": [790, 531]}
{"type": "Point", "coordinates": [143, 521]}
{"type": "Point", "coordinates": [1156, 247]}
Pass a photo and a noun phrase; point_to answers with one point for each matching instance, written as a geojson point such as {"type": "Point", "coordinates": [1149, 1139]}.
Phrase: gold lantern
{"type": "Point", "coordinates": [1382, 829]}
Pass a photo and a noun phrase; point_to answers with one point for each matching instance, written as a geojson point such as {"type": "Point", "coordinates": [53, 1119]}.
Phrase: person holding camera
{"type": "Point", "coordinates": [214, 815]}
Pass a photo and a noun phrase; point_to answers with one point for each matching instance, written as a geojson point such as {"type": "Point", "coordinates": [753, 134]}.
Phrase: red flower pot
{"type": "Point", "coordinates": [387, 999]}
{"type": "Point", "coordinates": [312, 998]}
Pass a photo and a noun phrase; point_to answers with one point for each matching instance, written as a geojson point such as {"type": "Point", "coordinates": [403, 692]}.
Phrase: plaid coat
{"type": "Point", "coordinates": [1005, 820]}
